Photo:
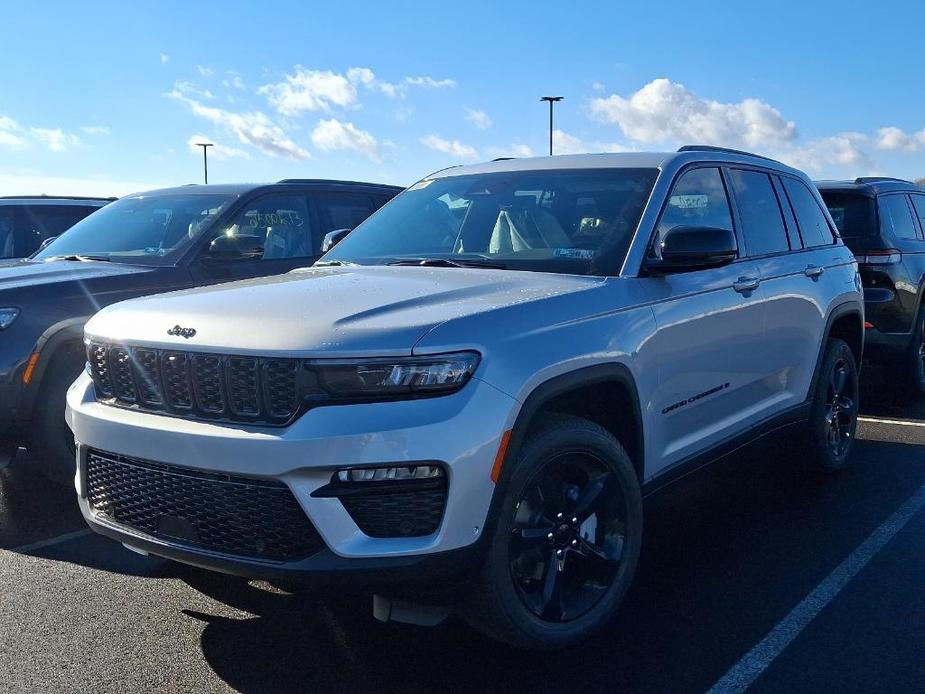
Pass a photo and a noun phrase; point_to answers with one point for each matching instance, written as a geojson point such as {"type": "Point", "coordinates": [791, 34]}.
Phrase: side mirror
{"type": "Point", "coordinates": [686, 248]}
{"type": "Point", "coordinates": [235, 248]}
{"type": "Point", "coordinates": [332, 238]}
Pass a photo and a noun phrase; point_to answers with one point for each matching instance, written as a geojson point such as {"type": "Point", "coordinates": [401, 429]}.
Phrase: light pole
{"type": "Point", "coordinates": [205, 159]}
{"type": "Point", "coordinates": [551, 100]}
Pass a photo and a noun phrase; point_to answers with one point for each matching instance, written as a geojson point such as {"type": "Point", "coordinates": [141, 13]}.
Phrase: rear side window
{"type": "Point", "coordinates": [814, 227]}
{"type": "Point", "coordinates": [342, 211]}
{"type": "Point", "coordinates": [853, 214]}
{"type": "Point", "coordinates": [759, 211]}
{"type": "Point", "coordinates": [896, 217]}
{"type": "Point", "coordinates": [918, 202]}
{"type": "Point", "coordinates": [24, 227]}
{"type": "Point", "coordinates": [697, 199]}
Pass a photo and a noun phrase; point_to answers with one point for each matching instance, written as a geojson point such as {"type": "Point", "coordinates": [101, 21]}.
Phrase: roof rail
{"type": "Point", "coordinates": [879, 179]}
{"type": "Point", "coordinates": [503, 158]}
{"type": "Point", "coordinates": [330, 181]}
{"type": "Point", "coordinates": [725, 150]}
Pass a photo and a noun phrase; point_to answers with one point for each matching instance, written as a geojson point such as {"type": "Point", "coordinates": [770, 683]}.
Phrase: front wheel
{"type": "Point", "coordinates": [567, 541]}
{"type": "Point", "coordinates": [834, 415]}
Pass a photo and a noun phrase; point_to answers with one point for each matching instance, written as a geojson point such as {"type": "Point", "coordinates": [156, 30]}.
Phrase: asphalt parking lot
{"type": "Point", "coordinates": [753, 573]}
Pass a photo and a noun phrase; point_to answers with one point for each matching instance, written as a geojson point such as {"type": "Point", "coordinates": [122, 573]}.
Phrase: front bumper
{"type": "Point", "coordinates": [461, 432]}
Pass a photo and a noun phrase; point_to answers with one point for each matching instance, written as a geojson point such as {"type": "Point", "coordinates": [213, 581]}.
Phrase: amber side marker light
{"type": "Point", "coordinates": [30, 368]}
{"type": "Point", "coordinates": [499, 458]}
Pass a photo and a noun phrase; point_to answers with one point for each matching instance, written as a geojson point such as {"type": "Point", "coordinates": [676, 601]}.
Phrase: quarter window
{"type": "Point", "coordinates": [282, 224]}
{"type": "Point", "coordinates": [814, 227]}
{"type": "Point", "coordinates": [918, 202]}
{"type": "Point", "coordinates": [697, 199]}
{"type": "Point", "coordinates": [759, 212]}
{"type": "Point", "coordinates": [896, 216]}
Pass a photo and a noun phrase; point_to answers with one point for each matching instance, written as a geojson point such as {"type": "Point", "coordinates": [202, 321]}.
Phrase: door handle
{"type": "Point", "coordinates": [813, 271]}
{"type": "Point", "coordinates": [746, 284]}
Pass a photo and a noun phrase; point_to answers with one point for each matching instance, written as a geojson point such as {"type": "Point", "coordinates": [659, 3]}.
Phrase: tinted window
{"type": "Point", "coordinates": [759, 211]}
{"type": "Point", "coordinates": [697, 199]}
{"type": "Point", "coordinates": [24, 227]}
{"type": "Point", "coordinates": [280, 223]}
{"type": "Point", "coordinates": [556, 221]}
{"type": "Point", "coordinates": [853, 214]}
{"type": "Point", "coordinates": [342, 211]}
{"type": "Point", "coordinates": [814, 227]}
{"type": "Point", "coordinates": [918, 202]}
{"type": "Point", "coordinates": [896, 217]}
{"type": "Point", "coordinates": [145, 229]}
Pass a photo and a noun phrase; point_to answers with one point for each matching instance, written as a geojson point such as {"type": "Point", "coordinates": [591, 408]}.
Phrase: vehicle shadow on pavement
{"type": "Point", "coordinates": [726, 556]}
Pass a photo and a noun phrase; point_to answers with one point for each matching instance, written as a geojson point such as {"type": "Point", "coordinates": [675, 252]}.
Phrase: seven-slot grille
{"type": "Point", "coordinates": [196, 385]}
{"type": "Point", "coordinates": [221, 513]}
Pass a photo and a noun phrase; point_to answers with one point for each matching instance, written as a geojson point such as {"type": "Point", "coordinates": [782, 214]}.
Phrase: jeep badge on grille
{"type": "Point", "coordinates": [182, 332]}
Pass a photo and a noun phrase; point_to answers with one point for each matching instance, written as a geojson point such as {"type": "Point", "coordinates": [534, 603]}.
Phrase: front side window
{"type": "Point", "coordinates": [896, 217]}
{"type": "Point", "coordinates": [555, 221]}
{"type": "Point", "coordinates": [762, 222]}
{"type": "Point", "coordinates": [814, 228]}
{"type": "Point", "coordinates": [697, 199]}
{"type": "Point", "coordinates": [144, 229]}
{"type": "Point", "coordinates": [279, 223]}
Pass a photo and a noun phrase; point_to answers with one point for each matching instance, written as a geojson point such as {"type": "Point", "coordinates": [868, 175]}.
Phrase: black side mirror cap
{"type": "Point", "coordinates": [687, 248]}
{"type": "Point", "coordinates": [235, 248]}
{"type": "Point", "coordinates": [332, 238]}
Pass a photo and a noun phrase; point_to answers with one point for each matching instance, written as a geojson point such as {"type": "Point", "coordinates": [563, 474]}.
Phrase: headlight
{"type": "Point", "coordinates": [394, 377]}
{"type": "Point", "coordinates": [7, 316]}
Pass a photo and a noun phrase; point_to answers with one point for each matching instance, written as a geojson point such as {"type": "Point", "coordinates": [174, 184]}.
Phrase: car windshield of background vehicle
{"type": "Point", "coordinates": [853, 214]}
{"type": "Point", "coordinates": [143, 229]}
{"type": "Point", "coordinates": [575, 222]}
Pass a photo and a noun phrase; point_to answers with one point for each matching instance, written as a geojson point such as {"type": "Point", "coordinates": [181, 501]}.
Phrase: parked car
{"type": "Point", "coordinates": [882, 221]}
{"type": "Point", "coordinates": [28, 221]}
{"type": "Point", "coordinates": [482, 380]}
{"type": "Point", "coordinates": [146, 243]}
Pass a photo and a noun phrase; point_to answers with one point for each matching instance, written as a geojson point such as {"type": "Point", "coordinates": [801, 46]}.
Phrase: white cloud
{"type": "Point", "coordinates": [216, 151]}
{"type": "Point", "coordinates": [430, 82]}
{"type": "Point", "coordinates": [893, 138]}
{"type": "Point", "coordinates": [564, 143]}
{"type": "Point", "coordinates": [844, 150]}
{"type": "Point", "coordinates": [56, 139]}
{"type": "Point", "coordinates": [668, 112]}
{"type": "Point", "coordinates": [310, 90]}
{"type": "Point", "coordinates": [190, 89]}
{"type": "Point", "coordinates": [204, 70]}
{"type": "Point", "coordinates": [366, 77]}
{"type": "Point", "coordinates": [10, 133]}
{"type": "Point", "coordinates": [597, 86]}
{"type": "Point", "coordinates": [233, 80]}
{"type": "Point", "coordinates": [514, 150]}
{"type": "Point", "coordinates": [454, 147]}
{"type": "Point", "coordinates": [253, 128]}
{"type": "Point", "coordinates": [478, 118]}
{"type": "Point", "coordinates": [164, 58]}
{"type": "Point", "coordinates": [331, 135]}
{"type": "Point", "coordinates": [95, 129]}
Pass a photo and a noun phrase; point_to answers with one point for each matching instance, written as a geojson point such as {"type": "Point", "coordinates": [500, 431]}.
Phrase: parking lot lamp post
{"type": "Point", "coordinates": [551, 100]}
{"type": "Point", "coordinates": [205, 158]}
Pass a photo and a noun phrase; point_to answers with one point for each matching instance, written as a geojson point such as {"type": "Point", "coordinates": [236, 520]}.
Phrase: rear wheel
{"type": "Point", "coordinates": [915, 357]}
{"type": "Point", "coordinates": [567, 542]}
{"type": "Point", "coordinates": [834, 415]}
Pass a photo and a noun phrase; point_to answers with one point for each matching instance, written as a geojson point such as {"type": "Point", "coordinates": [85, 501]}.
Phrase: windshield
{"type": "Point", "coordinates": [853, 214]}
{"type": "Point", "coordinates": [143, 229]}
{"type": "Point", "coordinates": [553, 221]}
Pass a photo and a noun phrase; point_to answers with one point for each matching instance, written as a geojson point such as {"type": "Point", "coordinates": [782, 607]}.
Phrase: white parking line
{"type": "Point", "coordinates": [759, 658]}
{"type": "Point", "coordinates": [66, 537]}
{"type": "Point", "coordinates": [901, 422]}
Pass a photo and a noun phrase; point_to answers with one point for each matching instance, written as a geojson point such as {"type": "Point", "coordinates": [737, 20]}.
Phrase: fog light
{"type": "Point", "coordinates": [380, 474]}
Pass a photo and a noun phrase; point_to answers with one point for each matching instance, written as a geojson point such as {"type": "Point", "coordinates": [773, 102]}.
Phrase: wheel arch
{"type": "Point", "coordinates": [50, 347]}
{"type": "Point", "coordinates": [845, 321]}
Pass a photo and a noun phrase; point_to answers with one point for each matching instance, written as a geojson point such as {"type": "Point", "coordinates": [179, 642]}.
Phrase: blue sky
{"type": "Point", "coordinates": [105, 98]}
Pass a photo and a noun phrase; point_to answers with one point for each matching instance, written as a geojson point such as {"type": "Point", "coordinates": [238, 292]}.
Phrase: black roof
{"type": "Point", "coordinates": [870, 185]}
{"type": "Point", "coordinates": [242, 188]}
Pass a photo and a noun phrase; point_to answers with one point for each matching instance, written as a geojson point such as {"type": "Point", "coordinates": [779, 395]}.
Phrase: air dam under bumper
{"type": "Point", "coordinates": [460, 432]}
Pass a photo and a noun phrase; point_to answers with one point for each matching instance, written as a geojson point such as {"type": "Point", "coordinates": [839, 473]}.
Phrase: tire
{"type": "Point", "coordinates": [833, 419]}
{"type": "Point", "coordinates": [914, 363]}
{"type": "Point", "coordinates": [52, 439]}
{"type": "Point", "coordinates": [597, 536]}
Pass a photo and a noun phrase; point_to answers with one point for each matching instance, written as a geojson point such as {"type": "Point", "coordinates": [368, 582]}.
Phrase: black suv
{"type": "Point", "coordinates": [28, 221]}
{"type": "Point", "coordinates": [882, 220]}
{"type": "Point", "coordinates": [144, 244]}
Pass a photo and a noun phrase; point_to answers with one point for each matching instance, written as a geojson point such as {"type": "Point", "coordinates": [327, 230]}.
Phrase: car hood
{"type": "Point", "coordinates": [16, 274]}
{"type": "Point", "coordinates": [324, 311]}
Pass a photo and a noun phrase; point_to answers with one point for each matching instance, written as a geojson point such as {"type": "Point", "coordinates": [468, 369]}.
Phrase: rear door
{"type": "Point", "coordinates": [709, 328]}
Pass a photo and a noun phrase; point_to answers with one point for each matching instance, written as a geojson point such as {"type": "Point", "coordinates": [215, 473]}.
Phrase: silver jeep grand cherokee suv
{"type": "Point", "coordinates": [481, 380]}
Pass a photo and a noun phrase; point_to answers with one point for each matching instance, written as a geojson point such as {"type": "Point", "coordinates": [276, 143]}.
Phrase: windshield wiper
{"type": "Point", "coordinates": [446, 262]}
{"type": "Point", "coordinates": [82, 258]}
{"type": "Point", "coordinates": [334, 263]}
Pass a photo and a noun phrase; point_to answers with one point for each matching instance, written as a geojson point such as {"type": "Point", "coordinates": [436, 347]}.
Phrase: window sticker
{"type": "Point", "coordinates": [582, 253]}
{"type": "Point", "coordinates": [275, 219]}
{"type": "Point", "coordinates": [689, 202]}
